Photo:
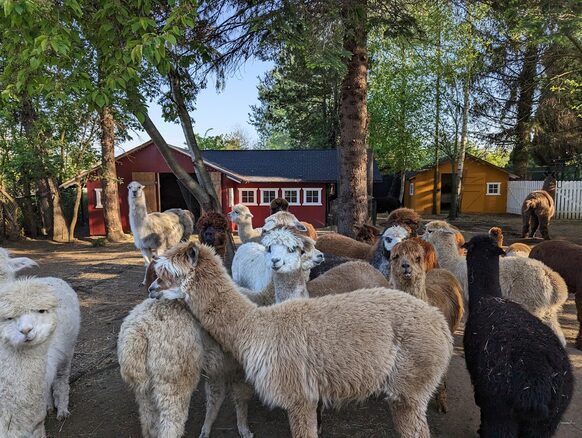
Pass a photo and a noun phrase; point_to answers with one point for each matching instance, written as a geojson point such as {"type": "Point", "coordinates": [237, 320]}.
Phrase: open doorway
{"type": "Point", "coordinates": [446, 191]}
{"type": "Point", "coordinates": [174, 195]}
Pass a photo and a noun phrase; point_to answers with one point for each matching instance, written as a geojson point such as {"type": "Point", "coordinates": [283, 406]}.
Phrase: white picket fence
{"type": "Point", "coordinates": [568, 197]}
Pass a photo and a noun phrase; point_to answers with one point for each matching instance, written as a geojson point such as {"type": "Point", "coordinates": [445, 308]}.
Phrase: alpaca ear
{"type": "Point", "coordinates": [300, 227]}
{"type": "Point", "coordinates": [192, 255]}
{"type": "Point", "coordinates": [250, 215]}
{"type": "Point", "coordinates": [20, 263]}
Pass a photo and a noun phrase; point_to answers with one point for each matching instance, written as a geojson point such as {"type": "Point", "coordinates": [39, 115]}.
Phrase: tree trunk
{"type": "Point", "coordinates": [527, 85]}
{"type": "Point", "coordinates": [28, 211]}
{"type": "Point", "coordinates": [436, 176]}
{"type": "Point", "coordinates": [352, 151]}
{"type": "Point", "coordinates": [73, 224]}
{"type": "Point", "coordinates": [59, 230]}
{"type": "Point", "coordinates": [44, 204]}
{"type": "Point", "coordinates": [199, 168]}
{"type": "Point", "coordinates": [460, 159]}
{"type": "Point", "coordinates": [110, 194]}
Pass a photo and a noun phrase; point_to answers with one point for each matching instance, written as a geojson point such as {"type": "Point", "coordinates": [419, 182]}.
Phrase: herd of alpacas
{"type": "Point", "coordinates": [307, 323]}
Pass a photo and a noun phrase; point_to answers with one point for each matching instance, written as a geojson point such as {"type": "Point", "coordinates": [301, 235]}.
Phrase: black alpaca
{"type": "Point", "coordinates": [520, 372]}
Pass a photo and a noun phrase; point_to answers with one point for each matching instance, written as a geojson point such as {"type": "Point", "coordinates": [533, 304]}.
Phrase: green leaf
{"type": "Point", "coordinates": [8, 6]}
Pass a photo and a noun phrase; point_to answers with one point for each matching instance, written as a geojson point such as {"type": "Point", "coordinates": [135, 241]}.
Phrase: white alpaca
{"type": "Point", "coordinates": [62, 345]}
{"type": "Point", "coordinates": [31, 331]}
{"type": "Point", "coordinates": [335, 348]}
{"type": "Point", "coordinates": [154, 233]}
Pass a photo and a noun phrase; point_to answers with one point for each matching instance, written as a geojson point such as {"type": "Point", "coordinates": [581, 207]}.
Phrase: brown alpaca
{"type": "Point", "coordinates": [438, 287]}
{"type": "Point", "coordinates": [368, 234]}
{"type": "Point", "coordinates": [212, 228]}
{"type": "Point", "coordinates": [404, 216]}
{"type": "Point", "coordinates": [497, 234]}
{"type": "Point", "coordinates": [566, 259]}
{"type": "Point", "coordinates": [538, 208]}
{"type": "Point", "coordinates": [430, 255]}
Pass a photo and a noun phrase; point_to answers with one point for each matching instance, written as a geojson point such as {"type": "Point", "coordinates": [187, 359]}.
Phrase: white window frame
{"type": "Point", "coordinates": [263, 190]}
{"type": "Point", "coordinates": [240, 198]}
{"type": "Point", "coordinates": [98, 203]}
{"type": "Point", "coordinates": [492, 184]}
{"type": "Point", "coordinates": [411, 189]}
{"type": "Point", "coordinates": [296, 190]}
{"type": "Point", "coordinates": [313, 189]}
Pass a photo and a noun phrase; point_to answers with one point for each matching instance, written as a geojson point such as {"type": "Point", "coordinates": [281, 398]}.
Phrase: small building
{"type": "Point", "coordinates": [306, 178]}
{"type": "Point", "coordinates": [484, 188]}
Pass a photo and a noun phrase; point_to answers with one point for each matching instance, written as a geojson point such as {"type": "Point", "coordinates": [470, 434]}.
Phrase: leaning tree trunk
{"type": "Point", "coordinates": [77, 205]}
{"type": "Point", "coordinates": [28, 212]}
{"type": "Point", "coordinates": [527, 85]}
{"type": "Point", "coordinates": [458, 175]}
{"type": "Point", "coordinates": [60, 230]}
{"type": "Point", "coordinates": [352, 151]}
{"type": "Point", "coordinates": [110, 194]}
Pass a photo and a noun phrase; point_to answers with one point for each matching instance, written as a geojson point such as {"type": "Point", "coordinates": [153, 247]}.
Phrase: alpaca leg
{"type": "Point", "coordinates": [173, 409]}
{"type": "Point", "coordinates": [441, 398]}
{"type": "Point", "coordinates": [303, 420]}
{"type": "Point", "coordinates": [544, 222]}
{"type": "Point", "coordinates": [242, 392]}
{"type": "Point", "coordinates": [61, 388]}
{"type": "Point", "coordinates": [148, 415]}
{"type": "Point", "coordinates": [319, 417]}
{"type": "Point", "coordinates": [147, 258]}
{"type": "Point", "coordinates": [578, 299]}
{"type": "Point", "coordinates": [537, 429]}
{"type": "Point", "coordinates": [410, 418]}
{"type": "Point", "coordinates": [525, 217]}
{"type": "Point", "coordinates": [534, 222]}
{"type": "Point", "coordinates": [215, 390]}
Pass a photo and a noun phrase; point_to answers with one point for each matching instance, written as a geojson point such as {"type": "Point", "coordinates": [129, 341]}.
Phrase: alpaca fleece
{"type": "Point", "coordinates": [405, 216]}
{"type": "Point", "coordinates": [346, 277]}
{"type": "Point", "coordinates": [9, 266]}
{"type": "Point", "coordinates": [289, 220]}
{"type": "Point", "coordinates": [187, 219]}
{"type": "Point", "coordinates": [368, 234]}
{"type": "Point", "coordinates": [330, 261]}
{"type": "Point", "coordinates": [334, 348]}
{"type": "Point", "coordinates": [390, 237]}
{"type": "Point", "coordinates": [538, 208]}
{"type": "Point", "coordinates": [497, 234]}
{"type": "Point", "coordinates": [340, 245]}
{"type": "Point", "coordinates": [527, 282]}
{"type": "Point", "coordinates": [212, 228]}
{"type": "Point", "coordinates": [520, 372]}
{"type": "Point", "coordinates": [437, 225]}
{"type": "Point", "coordinates": [518, 250]}
{"type": "Point", "coordinates": [566, 259]}
{"type": "Point", "coordinates": [243, 218]}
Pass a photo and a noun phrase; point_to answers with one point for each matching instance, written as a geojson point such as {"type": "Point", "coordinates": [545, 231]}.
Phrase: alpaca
{"type": "Point", "coordinates": [538, 208]}
{"type": "Point", "coordinates": [330, 261]}
{"type": "Point", "coordinates": [162, 352]}
{"type": "Point", "coordinates": [340, 245]}
{"type": "Point", "coordinates": [405, 216]}
{"type": "Point", "coordinates": [566, 259]}
{"type": "Point", "coordinates": [335, 348]}
{"type": "Point", "coordinates": [279, 204]}
{"type": "Point", "coordinates": [520, 372]}
{"type": "Point", "coordinates": [390, 237]}
{"type": "Point", "coordinates": [187, 221]}
{"type": "Point", "coordinates": [527, 282]}
{"type": "Point", "coordinates": [39, 324]}
{"type": "Point", "coordinates": [153, 233]}
{"type": "Point", "coordinates": [289, 220]}
{"type": "Point", "coordinates": [347, 277]}
{"type": "Point", "coordinates": [243, 218]}
{"type": "Point", "coordinates": [437, 287]}
{"type": "Point", "coordinates": [367, 233]}
{"type": "Point", "coordinates": [497, 234]}
{"type": "Point", "coordinates": [212, 228]}
{"type": "Point", "coordinates": [436, 225]}
{"type": "Point", "coordinates": [518, 250]}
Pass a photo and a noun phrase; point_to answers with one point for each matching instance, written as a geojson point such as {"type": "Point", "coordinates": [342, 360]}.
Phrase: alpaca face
{"type": "Point", "coordinates": [135, 190]}
{"type": "Point", "coordinates": [393, 235]}
{"type": "Point", "coordinates": [209, 235]}
{"type": "Point", "coordinates": [284, 258]}
{"type": "Point", "coordinates": [239, 214]}
{"type": "Point", "coordinates": [311, 258]}
{"type": "Point", "coordinates": [482, 247]}
{"type": "Point", "coordinates": [407, 260]}
{"type": "Point", "coordinates": [24, 325]}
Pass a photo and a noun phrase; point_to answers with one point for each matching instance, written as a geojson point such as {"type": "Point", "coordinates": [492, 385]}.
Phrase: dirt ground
{"type": "Point", "coordinates": [107, 281]}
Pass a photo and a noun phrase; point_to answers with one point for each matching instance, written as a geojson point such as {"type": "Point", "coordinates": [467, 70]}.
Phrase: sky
{"type": "Point", "coordinates": [220, 112]}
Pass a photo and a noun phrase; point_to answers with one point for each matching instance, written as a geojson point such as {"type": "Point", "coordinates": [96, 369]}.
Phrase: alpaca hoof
{"type": "Point", "coordinates": [62, 414]}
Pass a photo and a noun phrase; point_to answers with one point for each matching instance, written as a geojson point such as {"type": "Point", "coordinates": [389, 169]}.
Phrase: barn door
{"type": "Point", "coordinates": [150, 181]}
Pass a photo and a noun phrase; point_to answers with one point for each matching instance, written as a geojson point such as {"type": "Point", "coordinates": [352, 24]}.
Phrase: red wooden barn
{"type": "Point", "coordinates": [306, 178]}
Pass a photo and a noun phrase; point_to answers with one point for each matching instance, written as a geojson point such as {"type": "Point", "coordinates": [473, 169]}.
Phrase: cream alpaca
{"type": "Point", "coordinates": [527, 282]}
{"type": "Point", "coordinates": [28, 323]}
{"type": "Point", "coordinates": [291, 221]}
{"type": "Point", "coordinates": [302, 351]}
{"type": "Point", "coordinates": [243, 218]}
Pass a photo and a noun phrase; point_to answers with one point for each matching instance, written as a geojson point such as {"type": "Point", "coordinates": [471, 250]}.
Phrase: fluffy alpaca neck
{"type": "Point", "coordinates": [22, 382]}
{"type": "Point", "coordinates": [415, 286]}
{"type": "Point", "coordinates": [216, 302]}
{"type": "Point", "coordinates": [137, 210]}
{"type": "Point", "coordinates": [289, 285]}
{"type": "Point", "coordinates": [246, 230]}
{"type": "Point", "coordinates": [483, 278]}
{"type": "Point", "coordinates": [447, 251]}
{"type": "Point", "coordinates": [550, 187]}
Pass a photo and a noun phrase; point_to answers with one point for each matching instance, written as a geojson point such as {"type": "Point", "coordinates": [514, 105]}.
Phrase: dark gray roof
{"type": "Point", "coordinates": [299, 165]}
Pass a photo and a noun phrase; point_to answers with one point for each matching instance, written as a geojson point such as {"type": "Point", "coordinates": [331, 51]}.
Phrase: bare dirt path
{"type": "Point", "coordinates": [107, 281]}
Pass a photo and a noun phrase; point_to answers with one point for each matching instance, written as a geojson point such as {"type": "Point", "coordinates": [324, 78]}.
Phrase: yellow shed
{"type": "Point", "coordinates": [484, 187]}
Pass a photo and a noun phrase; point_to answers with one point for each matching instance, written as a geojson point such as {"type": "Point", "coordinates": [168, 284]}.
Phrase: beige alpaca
{"type": "Point", "coordinates": [527, 282]}
{"type": "Point", "coordinates": [243, 218]}
{"type": "Point", "coordinates": [340, 245]}
{"type": "Point", "coordinates": [437, 287]}
{"type": "Point", "coordinates": [335, 348]}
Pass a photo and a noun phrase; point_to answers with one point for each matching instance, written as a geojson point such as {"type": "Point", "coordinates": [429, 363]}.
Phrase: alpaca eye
{"type": "Point", "coordinates": [291, 250]}
{"type": "Point", "coordinates": [395, 257]}
{"type": "Point", "coordinates": [417, 259]}
{"type": "Point", "coordinates": [268, 249]}
{"type": "Point", "coordinates": [302, 252]}
{"type": "Point", "coordinates": [388, 239]}
{"type": "Point", "coordinates": [41, 311]}
{"type": "Point", "coordinates": [9, 319]}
